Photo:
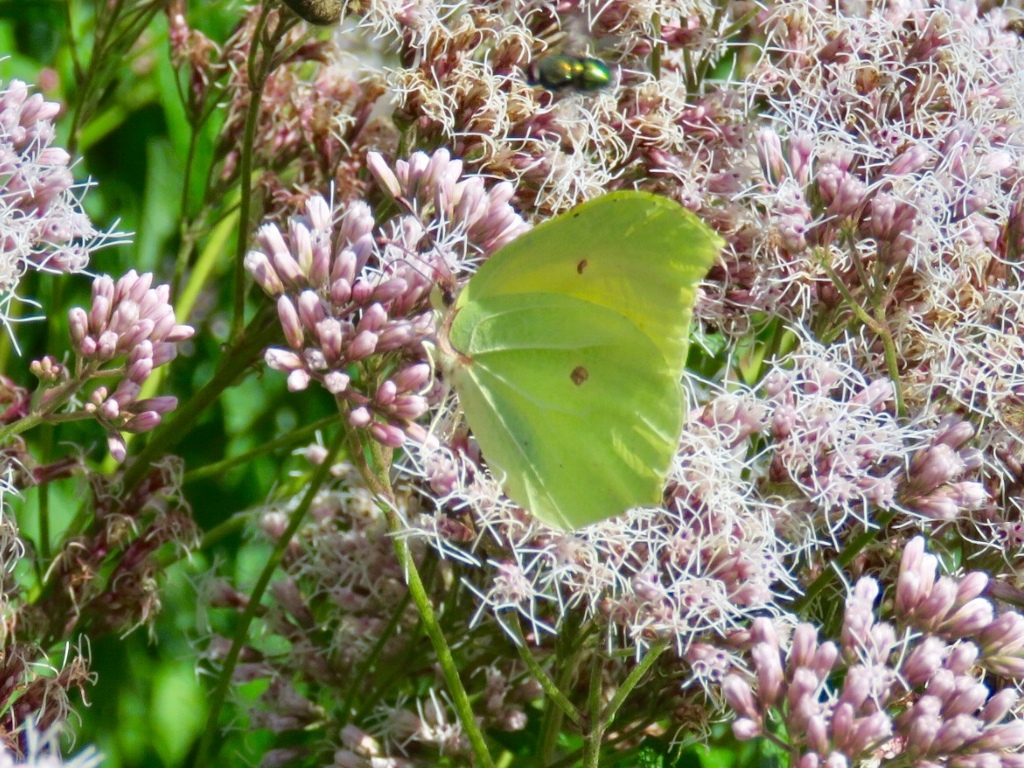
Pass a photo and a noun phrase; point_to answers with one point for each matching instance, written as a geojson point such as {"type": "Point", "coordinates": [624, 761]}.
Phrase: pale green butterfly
{"type": "Point", "coordinates": [566, 350]}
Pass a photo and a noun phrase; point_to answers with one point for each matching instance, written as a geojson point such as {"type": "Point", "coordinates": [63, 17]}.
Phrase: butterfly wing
{"type": "Point", "coordinates": [570, 403]}
{"type": "Point", "coordinates": [571, 343]}
{"type": "Point", "coordinates": [638, 254]}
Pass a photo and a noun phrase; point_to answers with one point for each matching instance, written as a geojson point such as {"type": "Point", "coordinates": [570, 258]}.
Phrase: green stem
{"type": "Point", "coordinates": [656, 47]}
{"type": "Point", "coordinates": [567, 646]}
{"type": "Point", "coordinates": [207, 750]}
{"type": "Point", "coordinates": [259, 70]}
{"type": "Point", "coordinates": [285, 441]}
{"type": "Point", "coordinates": [376, 476]}
{"type": "Point", "coordinates": [460, 699]}
{"type": "Point", "coordinates": [841, 561]}
{"type": "Point", "coordinates": [553, 692]}
{"type": "Point", "coordinates": [592, 742]}
{"type": "Point", "coordinates": [632, 680]}
{"type": "Point", "coordinates": [877, 325]}
{"type": "Point", "coordinates": [56, 397]}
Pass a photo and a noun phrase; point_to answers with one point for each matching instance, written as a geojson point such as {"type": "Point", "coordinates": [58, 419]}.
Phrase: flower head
{"type": "Point", "coordinates": [353, 298]}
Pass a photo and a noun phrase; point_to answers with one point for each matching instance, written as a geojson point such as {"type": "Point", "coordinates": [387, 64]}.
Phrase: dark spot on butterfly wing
{"type": "Point", "coordinates": [579, 375]}
{"type": "Point", "coordinates": [580, 266]}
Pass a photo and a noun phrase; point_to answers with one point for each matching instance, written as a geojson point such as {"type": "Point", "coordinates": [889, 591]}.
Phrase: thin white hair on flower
{"type": "Point", "coordinates": [42, 222]}
{"type": "Point", "coordinates": [399, 725]}
{"type": "Point", "coordinates": [43, 751]}
{"type": "Point", "coordinates": [512, 590]}
{"type": "Point", "coordinates": [834, 438]}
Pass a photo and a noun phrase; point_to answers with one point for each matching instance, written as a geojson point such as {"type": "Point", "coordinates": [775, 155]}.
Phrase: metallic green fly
{"type": "Point", "coordinates": [560, 71]}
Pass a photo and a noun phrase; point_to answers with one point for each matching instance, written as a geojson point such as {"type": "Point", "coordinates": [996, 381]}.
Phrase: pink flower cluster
{"type": "Point", "coordinates": [910, 690]}
{"type": "Point", "coordinates": [352, 298]}
{"type": "Point", "coordinates": [42, 225]}
{"type": "Point", "coordinates": [127, 332]}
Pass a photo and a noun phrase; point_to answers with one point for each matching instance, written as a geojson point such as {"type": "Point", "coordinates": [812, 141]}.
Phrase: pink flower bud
{"type": "Point", "coordinates": [290, 323]}
{"type": "Point", "coordinates": [141, 351]}
{"type": "Point", "coordinates": [829, 180]}
{"type": "Point", "coordinates": [140, 330]}
{"type": "Point", "coordinates": [922, 725]}
{"type": "Point", "coordinates": [99, 312]}
{"type": "Point", "coordinates": [770, 676]}
{"type": "Point", "coordinates": [769, 152]}
{"type": "Point", "coordinates": [161, 404]}
{"type": "Point", "coordinates": [374, 317]}
{"type": "Point", "coordinates": [868, 731]}
{"type": "Point", "coordinates": [793, 229]}
{"type": "Point", "coordinates": [106, 346]}
{"type": "Point", "coordinates": [389, 290]}
{"type": "Point", "coordinates": [1004, 635]}
{"type": "Point", "coordinates": [436, 168]}
{"type": "Point", "coordinates": [78, 325]}
{"type": "Point", "coordinates": [311, 309]}
{"type": "Point", "coordinates": [109, 410]}
{"type": "Point", "coordinates": [329, 334]}
{"type": "Point", "coordinates": [363, 345]}
{"type": "Point", "coordinates": [144, 422]}
{"type": "Point", "coordinates": [395, 335]}
{"type": "Point", "coordinates": [139, 371]}
{"type": "Point", "coordinates": [909, 161]}
{"type": "Point", "coordinates": [301, 248]}
{"type": "Point", "coordinates": [999, 737]}
{"type": "Point", "coordinates": [444, 190]}
{"type": "Point", "coordinates": [470, 200]}
{"type": "Point", "coordinates": [917, 576]}
{"type": "Point", "coordinates": [180, 333]}
{"type": "Point", "coordinates": [803, 646]}
{"type": "Point", "coordinates": [360, 417]}
{"type": "Point", "coordinates": [357, 223]}
{"type": "Point", "coordinates": [362, 292]}
{"type": "Point", "coordinates": [408, 407]}
{"type": "Point", "coordinates": [341, 292]}
{"type": "Point", "coordinates": [88, 347]}
{"type": "Point", "coordinates": [412, 378]}
{"type": "Point", "coordinates": [969, 619]}
{"type": "Point", "coordinates": [999, 705]}
{"type": "Point", "coordinates": [740, 697]}
{"type": "Point", "coordinates": [385, 393]}
{"type": "Point", "coordinates": [336, 382]}
{"type": "Point", "coordinates": [319, 213]}
{"type": "Point", "coordinates": [387, 434]}
{"type": "Point", "coordinates": [383, 175]}
{"type": "Point", "coordinates": [258, 265]}
{"type": "Point", "coordinates": [932, 467]}
{"type": "Point", "coordinates": [284, 264]}
{"type": "Point", "coordinates": [298, 380]}
{"type": "Point", "coordinates": [418, 434]}
{"type": "Point", "coordinates": [132, 287]}
{"type": "Point", "coordinates": [163, 321]}
{"type": "Point", "coordinates": [955, 733]}
{"type": "Point", "coordinates": [117, 447]}
{"type": "Point", "coordinates": [745, 729]}
{"type": "Point", "coordinates": [924, 661]}
{"type": "Point", "coordinates": [817, 734]}
{"type": "Point", "coordinates": [972, 585]}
